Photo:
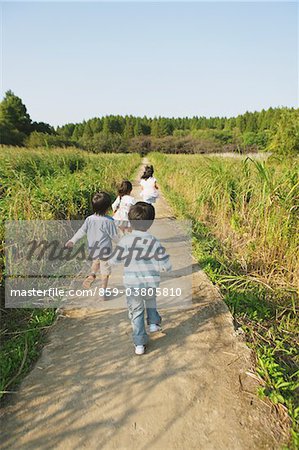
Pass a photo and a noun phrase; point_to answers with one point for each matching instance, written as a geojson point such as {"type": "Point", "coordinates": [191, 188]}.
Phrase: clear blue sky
{"type": "Point", "coordinates": [74, 61]}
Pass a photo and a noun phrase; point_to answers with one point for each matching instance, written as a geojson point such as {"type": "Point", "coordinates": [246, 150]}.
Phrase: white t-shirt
{"type": "Point", "coordinates": [121, 207]}
{"type": "Point", "coordinates": [149, 189]}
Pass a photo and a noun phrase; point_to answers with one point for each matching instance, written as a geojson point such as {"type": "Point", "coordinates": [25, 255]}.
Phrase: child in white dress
{"type": "Point", "coordinates": [149, 186]}
{"type": "Point", "coordinates": [121, 206]}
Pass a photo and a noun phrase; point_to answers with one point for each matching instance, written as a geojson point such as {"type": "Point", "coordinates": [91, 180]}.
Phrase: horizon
{"type": "Point", "coordinates": [203, 59]}
{"type": "Point", "coordinates": [162, 117]}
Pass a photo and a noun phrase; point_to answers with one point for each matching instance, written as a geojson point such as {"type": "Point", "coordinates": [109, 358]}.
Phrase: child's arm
{"type": "Point", "coordinates": [77, 236]}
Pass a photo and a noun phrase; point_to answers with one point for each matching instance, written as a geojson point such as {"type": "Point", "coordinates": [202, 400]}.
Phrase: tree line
{"type": "Point", "coordinates": [276, 129]}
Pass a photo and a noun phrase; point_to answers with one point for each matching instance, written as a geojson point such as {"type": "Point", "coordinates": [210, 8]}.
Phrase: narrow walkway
{"type": "Point", "coordinates": [89, 390]}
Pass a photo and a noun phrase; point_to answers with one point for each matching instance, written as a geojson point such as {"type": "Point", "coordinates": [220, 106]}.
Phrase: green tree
{"type": "Point", "coordinates": [88, 133]}
{"type": "Point", "coordinates": [66, 131]}
{"type": "Point", "coordinates": [155, 128]}
{"type": "Point", "coordinates": [162, 127]}
{"type": "Point", "coordinates": [241, 122]}
{"type": "Point", "coordinates": [113, 124]}
{"type": "Point", "coordinates": [138, 131]}
{"type": "Point", "coordinates": [146, 129]}
{"type": "Point", "coordinates": [106, 126]}
{"type": "Point", "coordinates": [165, 127]}
{"type": "Point", "coordinates": [285, 136]}
{"type": "Point", "coordinates": [10, 136]}
{"type": "Point", "coordinates": [129, 128]}
{"type": "Point", "coordinates": [251, 122]}
{"type": "Point", "coordinates": [96, 125]}
{"type": "Point", "coordinates": [42, 127]}
{"type": "Point", "coordinates": [13, 113]}
{"type": "Point", "coordinates": [78, 131]}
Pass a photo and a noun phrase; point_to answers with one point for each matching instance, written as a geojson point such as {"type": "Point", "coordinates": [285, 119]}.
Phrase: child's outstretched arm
{"type": "Point", "coordinates": [77, 236]}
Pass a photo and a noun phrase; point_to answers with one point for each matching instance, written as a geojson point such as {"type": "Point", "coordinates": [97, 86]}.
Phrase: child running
{"type": "Point", "coordinates": [100, 230]}
{"type": "Point", "coordinates": [149, 186]}
{"type": "Point", "coordinates": [144, 258]}
{"type": "Point", "coordinates": [122, 205]}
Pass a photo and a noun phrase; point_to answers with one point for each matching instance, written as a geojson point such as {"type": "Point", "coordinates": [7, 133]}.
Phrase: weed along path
{"type": "Point", "coordinates": [191, 390]}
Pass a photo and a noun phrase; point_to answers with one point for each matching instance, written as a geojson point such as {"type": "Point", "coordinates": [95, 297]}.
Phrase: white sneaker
{"type": "Point", "coordinates": [139, 349]}
{"type": "Point", "coordinates": [153, 328]}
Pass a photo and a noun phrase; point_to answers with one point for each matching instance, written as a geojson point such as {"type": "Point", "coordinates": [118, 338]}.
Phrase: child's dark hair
{"type": "Point", "coordinates": [148, 172]}
{"type": "Point", "coordinates": [141, 216]}
{"type": "Point", "coordinates": [124, 188]}
{"type": "Point", "coordinates": [101, 202]}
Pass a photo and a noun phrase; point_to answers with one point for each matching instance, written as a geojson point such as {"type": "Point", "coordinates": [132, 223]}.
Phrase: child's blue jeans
{"type": "Point", "coordinates": [136, 306]}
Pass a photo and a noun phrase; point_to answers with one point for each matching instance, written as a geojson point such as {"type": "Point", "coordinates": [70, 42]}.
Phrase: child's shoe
{"type": "Point", "coordinates": [139, 349]}
{"type": "Point", "coordinates": [153, 328]}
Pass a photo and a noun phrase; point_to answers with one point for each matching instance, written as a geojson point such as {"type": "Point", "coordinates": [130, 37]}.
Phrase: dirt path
{"type": "Point", "coordinates": [89, 390]}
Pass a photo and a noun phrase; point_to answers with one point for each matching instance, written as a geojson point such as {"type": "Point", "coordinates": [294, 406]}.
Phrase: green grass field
{"type": "Point", "coordinates": [245, 217]}
{"type": "Point", "coordinates": [46, 184]}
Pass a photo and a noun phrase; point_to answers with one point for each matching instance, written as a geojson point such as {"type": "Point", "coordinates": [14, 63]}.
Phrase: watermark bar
{"type": "Point", "coordinates": [44, 270]}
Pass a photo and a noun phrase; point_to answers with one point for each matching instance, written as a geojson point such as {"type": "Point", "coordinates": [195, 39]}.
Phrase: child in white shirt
{"type": "Point", "coordinates": [122, 205]}
{"type": "Point", "coordinates": [149, 186]}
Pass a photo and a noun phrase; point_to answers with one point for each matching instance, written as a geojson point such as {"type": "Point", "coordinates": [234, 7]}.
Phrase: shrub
{"type": "Point", "coordinates": [222, 136]}
{"type": "Point", "coordinates": [259, 139]}
{"type": "Point", "coordinates": [37, 139]}
{"type": "Point", "coordinates": [140, 144]}
{"type": "Point", "coordinates": [181, 133]}
{"type": "Point", "coordinates": [175, 145]}
{"type": "Point", "coordinates": [100, 142]}
{"type": "Point", "coordinates": [285, 137]}
{"type": "Point", "coordinates": [10, 135]}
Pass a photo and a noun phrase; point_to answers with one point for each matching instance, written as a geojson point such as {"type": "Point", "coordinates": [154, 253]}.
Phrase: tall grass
{"type": "Point", "coordinates": [251, 206]}
{"type": "Point", "coordinates": [45, 184]}
{"type": "Point", "coordinates": [245, 236]}
{"type": "Point", "coordinates": [56, 184]}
